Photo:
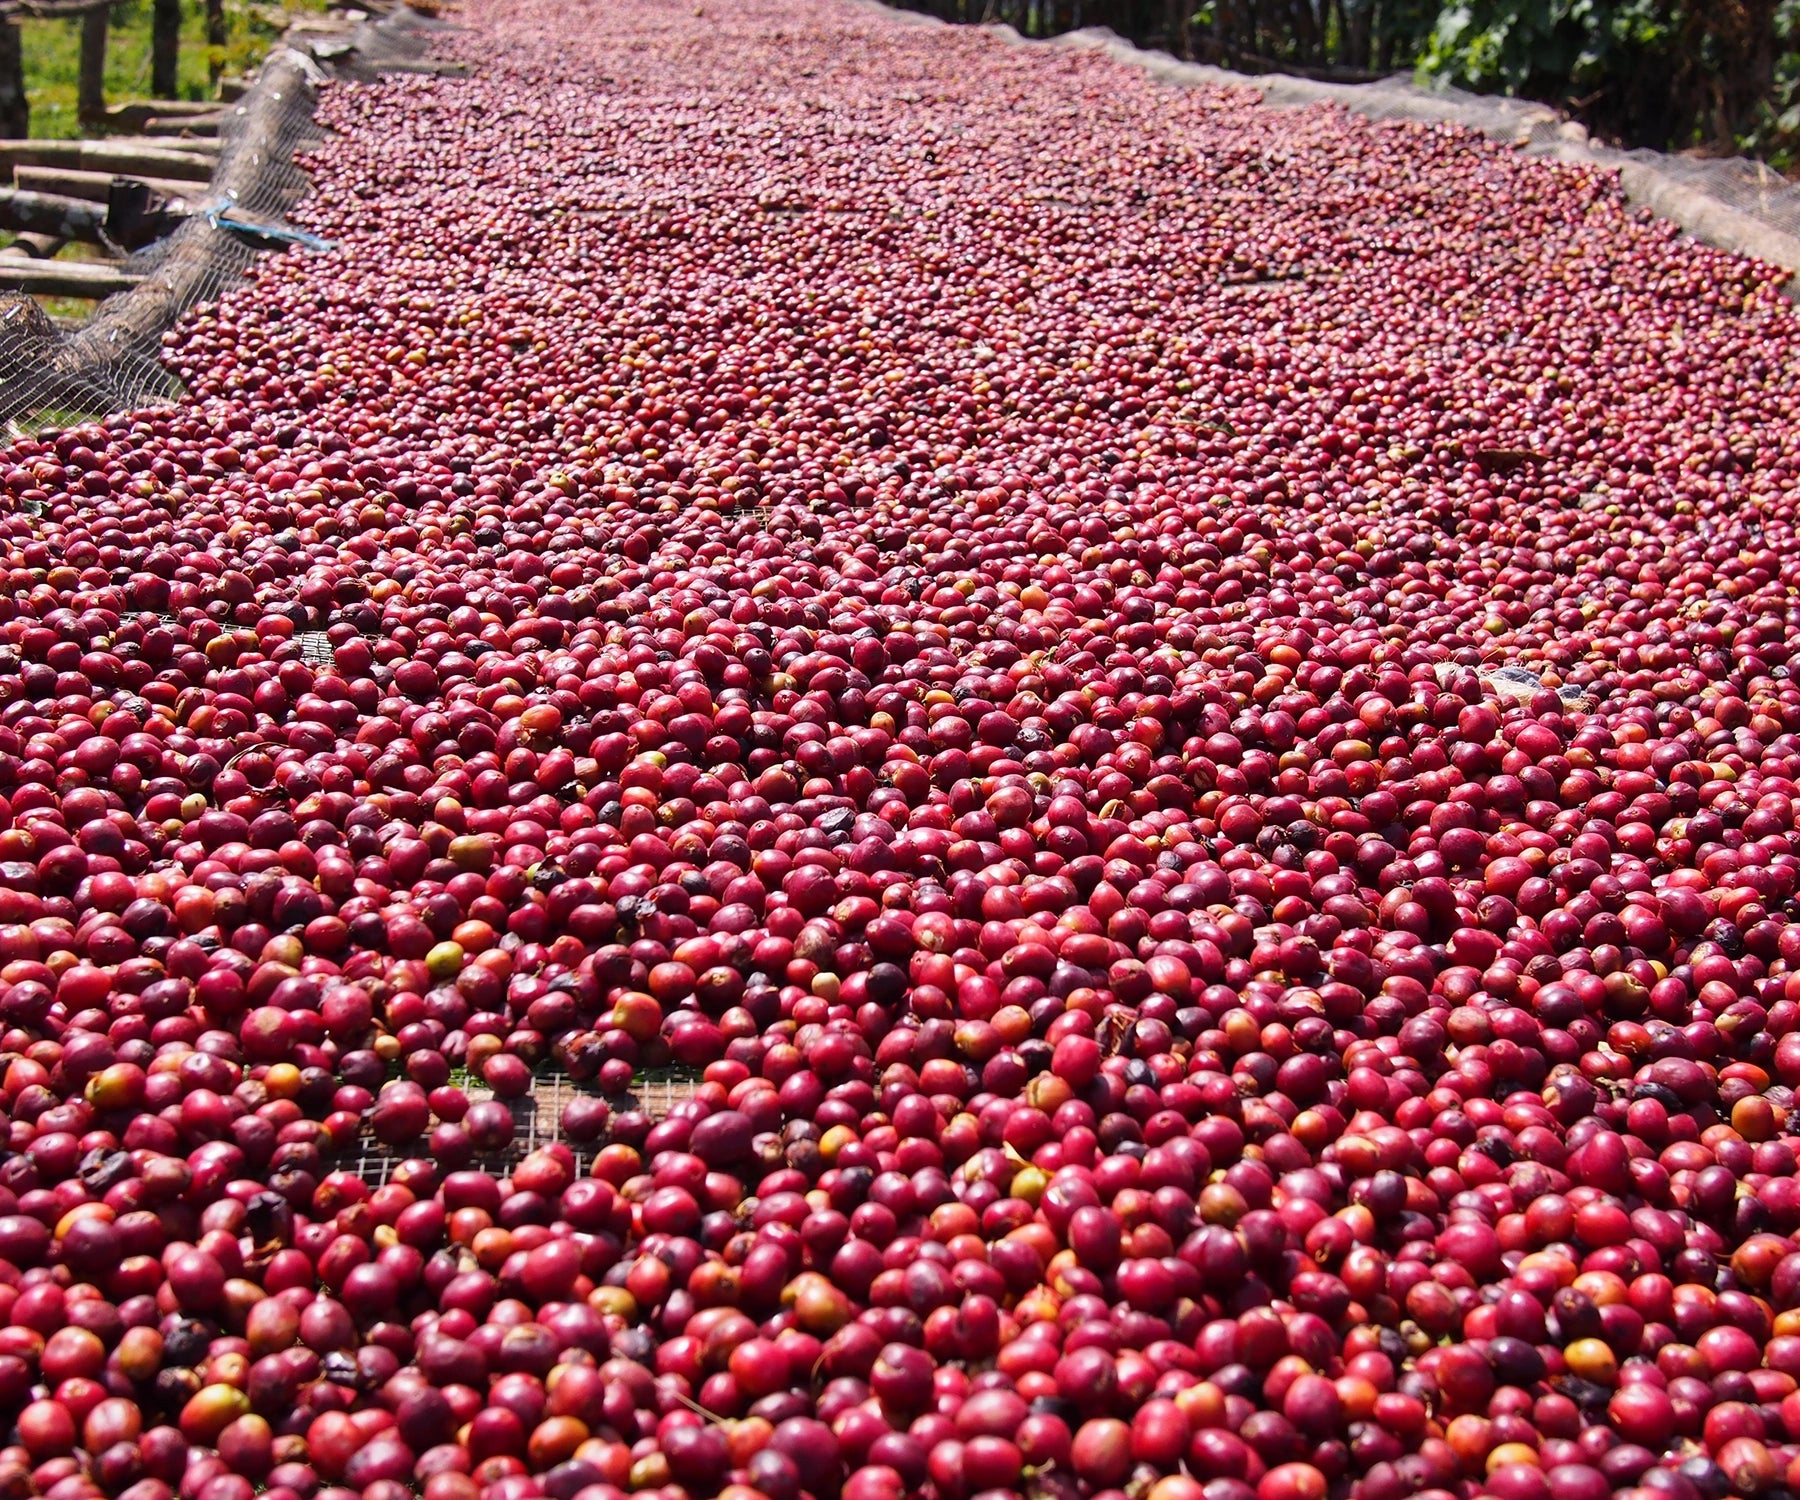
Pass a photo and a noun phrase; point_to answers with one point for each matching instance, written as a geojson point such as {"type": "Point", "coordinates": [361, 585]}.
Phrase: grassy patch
{"type": "Point", "coordinates": [53, 54]}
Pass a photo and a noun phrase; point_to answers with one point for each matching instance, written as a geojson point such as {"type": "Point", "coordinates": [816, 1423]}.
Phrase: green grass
{"type": "Point", "coordinates": [53, 51]}
{"type": "Point", "coordinates": [54, 417]}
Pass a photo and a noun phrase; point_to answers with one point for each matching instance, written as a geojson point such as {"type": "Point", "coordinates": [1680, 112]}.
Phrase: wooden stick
{"type": "Point", "coordinates": [170, 106]}
{"type": "Point", "coordinates": [64, 278]}
{"type": "Point", "coordinates": [94, 187]}
{"type": "Point", "coordinates": [29, 246]}
{"type": "Point", "coordinates": [105, 156]}
{"type": "Point", "coordinates": [50, 10]}
{"type": "Point", "coordinates": [435, 67]}
{"type": "Point", "coordinates": [183, 127]}
{"type": "Point", "coordinates": [133, 114]}
{"type": "Point", "coordinates": [46, 213]}
{"type": "Point", "coordinates": [194, 147]}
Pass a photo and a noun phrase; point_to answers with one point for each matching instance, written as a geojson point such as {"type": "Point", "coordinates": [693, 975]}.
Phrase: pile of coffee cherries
{"type": "Point", "coordinates": [1179, 716]}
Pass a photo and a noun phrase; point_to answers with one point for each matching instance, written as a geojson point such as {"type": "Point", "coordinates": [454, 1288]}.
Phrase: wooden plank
{"type": "Point", "coordinates": [202, 146]}
{"type": "Point", "coordinates": [95, 187]}
{"type": "Point", "coordinates": [188, 127]}
{"type": "Point", "coordinates": [64, 278]}
{"type": "Point", "coordinates": [105, 156]}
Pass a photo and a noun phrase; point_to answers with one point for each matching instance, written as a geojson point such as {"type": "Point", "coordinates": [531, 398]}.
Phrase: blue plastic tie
{"type": "Point", "coordinates": [219, 218]}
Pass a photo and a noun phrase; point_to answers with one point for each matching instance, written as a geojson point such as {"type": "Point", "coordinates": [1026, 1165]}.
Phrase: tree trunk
{"type": "Point", "coordinates": [1356, 34]}
{"type": "Point", "coordinates": [1755, 79]}
{"type": "Point", "coordinates": [165, 48]}
{"type": "Point", "coordinates": [215, 38]}
{"type": "Point", "coordinates": [90, 100]}
{"type": "Point", "coordinates": [15, 108]}
{"type": "Point", "coordinates": [1305, 32]}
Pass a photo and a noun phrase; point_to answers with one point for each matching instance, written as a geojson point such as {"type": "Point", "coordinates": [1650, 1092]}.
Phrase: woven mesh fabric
{"type": "Point", "coordinates": [112, 361]}
{"type": "Point", "coordinates": [1750, 187]}
{"type": "Point", "coordinates": [538, 1121]}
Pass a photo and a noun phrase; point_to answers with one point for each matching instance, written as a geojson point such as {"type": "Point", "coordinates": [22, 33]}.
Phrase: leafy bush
{"type": "Point", "coordinates": [1776, 133]}
{"type": "Point", "coordinates": [1663, 73]}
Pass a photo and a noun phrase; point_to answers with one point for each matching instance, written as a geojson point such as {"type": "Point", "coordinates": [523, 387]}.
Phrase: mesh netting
{"type": "Point", "coordinates": [1750, 187]}
{"type": "Point", "coordinates": [537, 1120]}
{"type": "Point", "coordinates": [1734, 204]}
{"type": "Point", "coordinates": [112, 361]}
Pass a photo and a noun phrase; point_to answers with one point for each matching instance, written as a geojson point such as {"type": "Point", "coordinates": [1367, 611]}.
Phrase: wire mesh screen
{"type": "Point", "coordinates": [537, 1120]}
{"type": "Point", "coordinates": [1750, 187]}
{"type": "Point", "coordinates": [112, 361]}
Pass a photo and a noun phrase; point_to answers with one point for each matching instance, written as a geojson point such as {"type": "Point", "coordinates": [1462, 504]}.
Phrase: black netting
{"type": "Point", "coordinates": [112, 361]}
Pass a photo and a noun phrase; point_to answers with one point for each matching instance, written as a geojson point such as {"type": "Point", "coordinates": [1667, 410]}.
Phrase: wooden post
{"type": "Point", "coordinates": [1355, 18]}
{"type": "Point", "coordinates": [15, 107]}
{"type": "Point", "coordinates": [165, 48]}
{"type": "Point", "coordinates": [215, 39]}
{"type": "Point", "coordinates": [90, 103]}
